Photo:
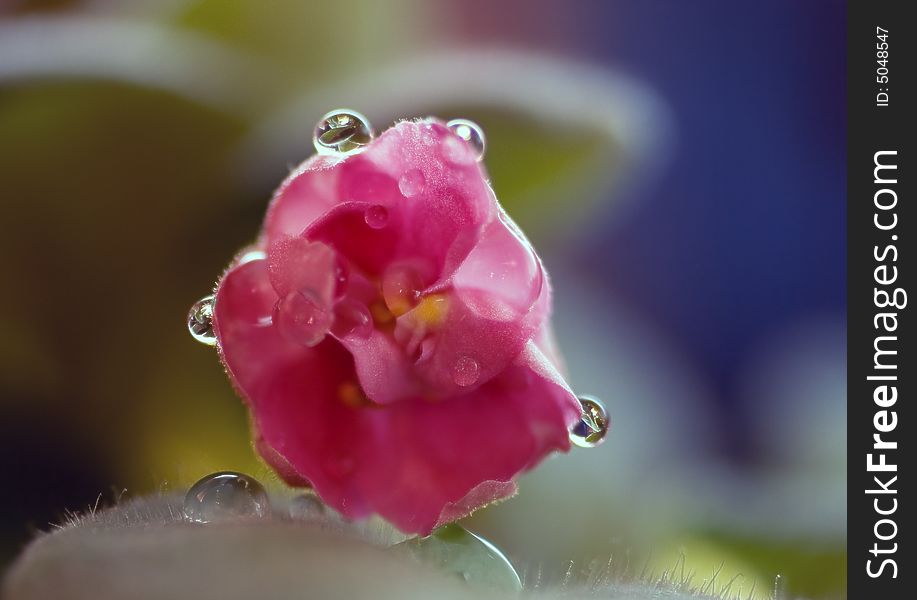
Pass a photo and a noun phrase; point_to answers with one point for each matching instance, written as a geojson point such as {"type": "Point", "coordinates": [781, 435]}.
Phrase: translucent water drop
{"type": "Point", "coordinates": [401, 287]}
{"type": "Point", "coordinates": [376, 216]}
{"type": "Point", "coordinates": [472, 133]}
{"type": "Point", "coordinates": [590, 430]}
{"type": "Point", "coordinates": [302, 319]}
{"type": "Point", "coordinates": [200, 321]}
{"type": "Point", "coordinates": [225, 496]}
{"type": "Point", "coordinates": [466, 371]}
{"type": "Point", "coordinates": [468, 556]}
{"type": "Point", "coordinates": [307, 507]}
{"type": "Point", "coordinates": [352, 318]}
{"type": "Point", "coordinates": [412, 183]}
{"type": "Point", "coordinates": [342, 132]}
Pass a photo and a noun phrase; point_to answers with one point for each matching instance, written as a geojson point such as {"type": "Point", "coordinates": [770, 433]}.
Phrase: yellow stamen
{"type": "Point", "coordinates": [432, 309]}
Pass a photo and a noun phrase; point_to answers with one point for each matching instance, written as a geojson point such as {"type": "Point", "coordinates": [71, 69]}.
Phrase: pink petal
{"type": "Point", "coordinates": [438, 453]}
{"type": "Point", "coordinates": [394, 347]}
{"type": "Point", "coordinates": [501, 278]}
{"type": "Point", "coordinates": [308, 193]}
{"type": "Point", "coordinates": [297, 265]}
{"type": "Point", "coordinates": [294, 391]}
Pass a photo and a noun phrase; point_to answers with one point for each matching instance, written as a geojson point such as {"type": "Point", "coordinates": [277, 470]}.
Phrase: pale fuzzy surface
{"type": "Point", "coordinates": [143, 550]}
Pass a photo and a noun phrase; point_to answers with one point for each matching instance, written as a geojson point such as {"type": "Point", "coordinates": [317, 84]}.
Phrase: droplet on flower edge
{"type": "Point", "coordinates": [593, 424]}
{"type": "Point", "coordinates": [200, 321]}
{"type": "Point", "coordinates": [225, 496]}
{"type": "Point", "coordinates": [468, 556]}
{"type": "Point", "coordinates": [342, 132]}
{"type": "Point", "coordinates": [470, 132]}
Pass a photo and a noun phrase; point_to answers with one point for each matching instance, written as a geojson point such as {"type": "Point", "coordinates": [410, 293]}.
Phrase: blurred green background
{"type": "Point", "coordinates": [140, 141]}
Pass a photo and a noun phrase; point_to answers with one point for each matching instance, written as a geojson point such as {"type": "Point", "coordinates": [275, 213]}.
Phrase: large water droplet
{"type": "Point", "coordinates": [471, 133]}
{"type": "Point", "coordinates": [401, 287]}
{"type": "Point", "coordinates": [468, 556]}
{"type": "Point", "coordinates": [590, 430]}
{"type": "Point", "coordinates": [352, 318]}
{"type": "Point", "coordinates": [342, 132]}
{"type": "Point", "coordinates": [412, 183]}
{"type": "Point", "coordinates": [466, 371]}
{"type": "Point", "coordinates": [302, 319]}
{"type": "Point", "coordinates": [376, 216]}
{"type": "Point", "coordinates": [200, 321]}
{"type": "Point", "coordinates": [225, 496]}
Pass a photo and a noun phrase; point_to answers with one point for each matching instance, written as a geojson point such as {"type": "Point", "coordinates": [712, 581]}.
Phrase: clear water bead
{"type": "Point", "coordinates": [376, 216]}
{"type": "Point", "coordinates": [472, 133]}
{"type": "Point", "coordinates": [412, 183]}
{"type": "Point", "coordinates": [466, 371]}
{"type": "Point", "coordinates": [469, 557]}
{"type": "Point", "coordinates": [351, 318]}
{"type": "Point", "coordinates": [200, 321]}
{"type": "Point", "coordinates": [342, 132]}
{"type": "Point", "coordinates": [590, 430]}
{"type": "Point", "coordinates": [302, 319]}
{"type": "Point", "coordinates": [225, 496]}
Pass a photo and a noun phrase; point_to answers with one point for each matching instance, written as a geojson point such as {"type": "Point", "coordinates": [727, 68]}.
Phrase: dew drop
{"type": "Point", "coordinates": [306, 507]}
{"type": "Point", "coordinates": [590, 430]}
{"type": "Point", "coordinates": [376, 216]}
{"type": "Point", "coordinates": [466, 371]}
{"type": "Point", "coordinates": [352, 318]}
{"type": "Point", "coordinates": [200, 321]}
{"type": "Point", "coordinates": [401, 287]}
{"type": "Point", "coordinates": [225, 496]}
{"type": "Point", "coordinates": [412, 183]}
{"type": "Point", "coordinates": [469, 557]}
{"type": "Point", "coordinates": [342, 132]}
{"type": "Point", "coordinates": [470, 132]}
{"type": "Point", "coordinates": [301, 319]}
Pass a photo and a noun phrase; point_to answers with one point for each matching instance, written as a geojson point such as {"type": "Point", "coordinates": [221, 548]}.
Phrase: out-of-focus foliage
{"type": "Point", "coordinates": [126, 191]}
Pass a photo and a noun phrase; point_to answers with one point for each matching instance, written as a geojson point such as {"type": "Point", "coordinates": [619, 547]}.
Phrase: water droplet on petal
{"type": "Point", "coordinates": [466, 371]}
{"type": "Point", "coordinates": [470, 132]}
{"type": "Point", "coordinates": [200, 321]}
{"type": "Point", "coordinates": [401, 287]}
{"type": "Point", "coordinates": [225, 496]}
{"type": "Point", "coordinates": [376, 216]}
{"type": "Point", "coordinates": [307, 507]}
{"type": "Point", "coordinates": [342, 132]}
{"type": "Point", "coordinates": [412, 183]}
{"type": "Point", "coordinates": [590, 430]}
{"type": "Point", "coordinates": [352, 318]}
{"type": "Point", "coordinates": [301, 319]}
{"type": "Point", "coordinates": [468, 556]}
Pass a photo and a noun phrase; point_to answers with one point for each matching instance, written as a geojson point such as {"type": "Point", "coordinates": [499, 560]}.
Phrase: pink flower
{"type": "Point", "coordinates": [390, 334]}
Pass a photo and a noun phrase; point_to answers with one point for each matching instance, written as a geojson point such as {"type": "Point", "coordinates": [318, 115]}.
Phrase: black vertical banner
{"type": "Point", "coordinates": [881, 364]}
